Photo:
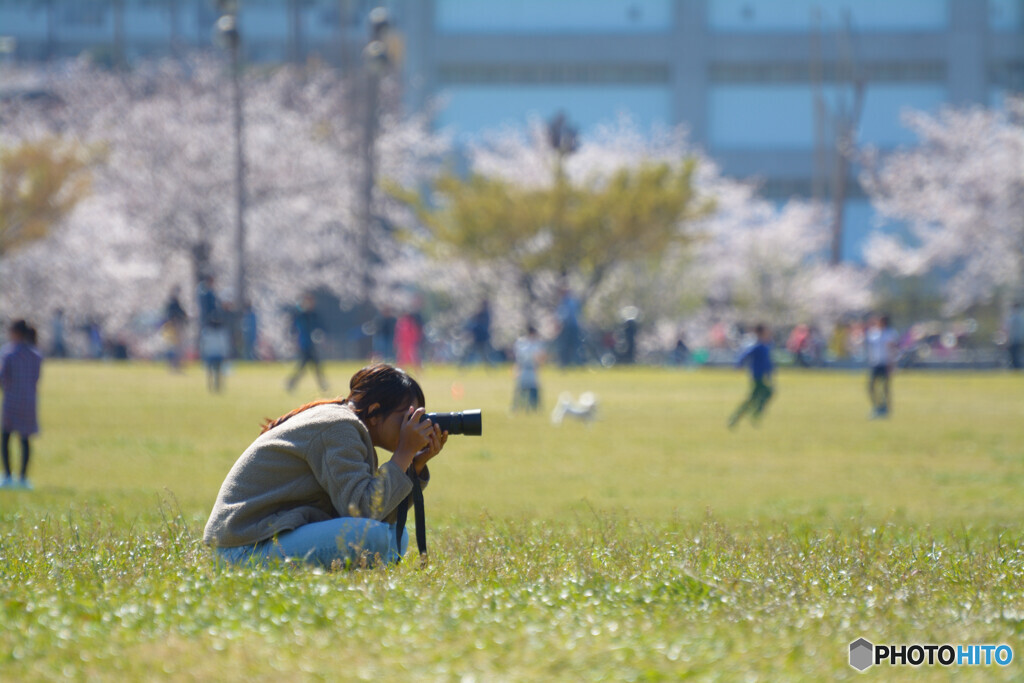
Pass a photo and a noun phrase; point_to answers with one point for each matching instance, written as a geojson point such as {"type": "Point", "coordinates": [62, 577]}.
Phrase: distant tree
{"type": "Point", "coordinates": [539, 215]}
{"type": "Point", "coordinates": [634, 219]}
{"type": "Point", "coordinates": [759, 261]}
{"type": "Point", "coordinates": [961, 192]}
{"type": "Point", "coordinates": [161, 207]}
{"type": "Point", "coordinates": [41, 182]}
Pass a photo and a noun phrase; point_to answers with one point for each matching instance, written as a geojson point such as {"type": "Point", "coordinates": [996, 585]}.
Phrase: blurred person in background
{"type": "Point", "coordinates": [382, 330]}
{"type": "Point", "coordinates": [718, 336]}
{"type": "Point", "coordinates": [175, 320]}
{"type": "Point", "coordinates": [815, 347]}
{"type": "Point", "coordinates": [882, 347]}
{"type": "Point", "coordinates": [93, 331]}
{"type": "Point", "coordinates": [759, 358]}
{"type": "Point", "coordinates": [306, 325]}
{"type": "Point", "coordinates": [795, 344]}
{"type": "Point", "coordinates": [479, 328]}
{"type": "Point", "coordinates": [20, 367]}
{"type": "Point", "coordinates": [838, 344]}
{"type": "Point", "coordinates": [215, 349]}
{"type": "Point", "coordinates": [408, 338]}
{"type": "Point", "coordinates": [856, 338]}
{"type": "Point", "coordinates": [311, 486]}
{"type": "Point", "coordinates": [680, 354]}
{"type": "Point", "coordinates": [208, 304]}
{"type": "Point", "coordinates": [528, 352]}
{"type": "Point", "coordinates": [569, 336]}
{"type": "Point", "coordinates": [624, 338]}
{"type": "Point", "coordinates": [206, 298]}
{"type": "Point", "coordinates": [1015, 335]}
{"type": "Point", "coordinates": [250, 331]}
{"type": "Point", "coordinates": [58, 348]}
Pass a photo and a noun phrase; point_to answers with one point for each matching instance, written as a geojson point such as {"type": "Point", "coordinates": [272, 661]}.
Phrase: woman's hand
{"type": "Point", "coordinates": [413, 437]}
{"type": "Point", "coordinates": [437, 441]}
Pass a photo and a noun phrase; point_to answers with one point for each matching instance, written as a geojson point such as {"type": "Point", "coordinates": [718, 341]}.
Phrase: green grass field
{"type": "Point", "coordinates": [653, 544]}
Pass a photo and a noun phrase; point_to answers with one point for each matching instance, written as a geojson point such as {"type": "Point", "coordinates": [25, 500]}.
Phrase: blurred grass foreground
{"type": "Point", "coordinates": [652, 544]}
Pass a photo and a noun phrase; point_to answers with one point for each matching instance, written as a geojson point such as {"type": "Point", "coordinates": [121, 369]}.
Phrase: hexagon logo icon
{"type": "Point", "coordinates": [862, 654]}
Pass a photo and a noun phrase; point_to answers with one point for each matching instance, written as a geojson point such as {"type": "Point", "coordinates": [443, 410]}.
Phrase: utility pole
{"type": "Point", "coordinates": [227, 26]}
{"type": "Point", "coordinates": [295, 51]}
{"type": "Point", "coordinates": [172, 19]}
{"type": "Point", "coordinates": [816, 73]}
{"type": "Point", "coordinates": [838, 138]}
{"type": "Point", "coordinates": [376, 59]}
{"type": "Point", "coordinates": [51, 30]}
{"type": "Point", "coordinates": [344, 20]}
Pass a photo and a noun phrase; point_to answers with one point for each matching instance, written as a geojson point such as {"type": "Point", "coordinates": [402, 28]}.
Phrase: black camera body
{"type": "Point", "coordinates": [468, 422]}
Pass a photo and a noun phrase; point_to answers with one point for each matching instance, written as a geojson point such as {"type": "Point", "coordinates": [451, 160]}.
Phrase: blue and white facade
{"type": "Point", "coordinates": [743, 75]}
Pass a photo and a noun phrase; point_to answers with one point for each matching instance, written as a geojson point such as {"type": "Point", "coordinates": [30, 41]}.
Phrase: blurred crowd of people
{"type": "Point", "coordinates": [846, 344]}
{"type": "Point", "coordinates": [218, 332]}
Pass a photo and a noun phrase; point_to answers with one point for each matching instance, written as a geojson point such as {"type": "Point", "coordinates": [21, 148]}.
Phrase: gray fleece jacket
{"type": "Point", "coordinates": [317, 465]}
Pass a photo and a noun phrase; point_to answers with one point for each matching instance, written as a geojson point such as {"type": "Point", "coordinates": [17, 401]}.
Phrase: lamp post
{"type": "Point", "coordinates": [376, 61]}
{"type": "Point", "coordinates": [562, 135]}
{"type": "Point", "coordinates": [563, 138]}
{"type": "Point", "coordinates": [842, 121]}
{"type": "Point", "coordinates": [227, 29]}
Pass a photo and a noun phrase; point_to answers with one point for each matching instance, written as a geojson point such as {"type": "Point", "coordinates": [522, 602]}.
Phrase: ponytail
{"type": "Point", "coordinates": [269, 424]}
{"type": "Point", "coordinates": [377, 389]}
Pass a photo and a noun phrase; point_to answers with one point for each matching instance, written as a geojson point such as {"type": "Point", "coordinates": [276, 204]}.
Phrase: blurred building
{"type": "Point", "coordinates": [127, 30]}
{"type": "Point", "coordinates": [763, 85]}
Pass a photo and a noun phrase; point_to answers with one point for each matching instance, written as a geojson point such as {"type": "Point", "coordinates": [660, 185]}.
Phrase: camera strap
{"type": "Point", "coordinates": [421, 517]}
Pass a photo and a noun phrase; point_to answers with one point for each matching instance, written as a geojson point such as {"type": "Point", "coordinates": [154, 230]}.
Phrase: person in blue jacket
{"type": "Point", "coordinates": [759, 358]}
{"type": "Point", "coordinates": [307, 327]}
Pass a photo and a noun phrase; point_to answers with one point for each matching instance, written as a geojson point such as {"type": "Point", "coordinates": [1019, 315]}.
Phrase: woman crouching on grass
{"type": "Point", "coordinates": [310, 486]}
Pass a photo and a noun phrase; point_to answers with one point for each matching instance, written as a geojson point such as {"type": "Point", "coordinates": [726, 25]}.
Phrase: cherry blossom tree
{"type": "Point", "coordinates": [766, 262]}
{"type": "Point", "coordinates": [161, 206]}
{"type": "Point", "coordinates": [960, 192]}
{"type": "Point", "coordinates": [165, 196]}
{"type": "Point", "coordinates": [746, 258]}
{"type": "Point", "coordinates": [532, 218]}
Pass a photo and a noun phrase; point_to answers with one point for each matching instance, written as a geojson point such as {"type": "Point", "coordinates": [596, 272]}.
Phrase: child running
{"type": "Point", "coordinates": [759, 357]}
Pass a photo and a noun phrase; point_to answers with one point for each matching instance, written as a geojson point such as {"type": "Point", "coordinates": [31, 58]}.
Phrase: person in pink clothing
{"type": "Point", "coordinates": [408, 335]}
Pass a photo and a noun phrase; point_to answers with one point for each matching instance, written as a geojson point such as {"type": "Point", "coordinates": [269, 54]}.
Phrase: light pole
{"type": "Point", "coordinates": [375, 56]}
{"type": "Point", "coordinates": [563, 137]}
{"type": "Point", "coordinates": [842, 120]}
{"type": "Point", "coordinates": [227, 28]}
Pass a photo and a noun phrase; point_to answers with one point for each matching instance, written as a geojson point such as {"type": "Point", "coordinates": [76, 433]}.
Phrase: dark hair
{"type": "Point", "coordinates": [760, 328]}
{"type": "Point", "coordinates": [20, 328]}
{"type": "Point", "coordinates": [379, 389]}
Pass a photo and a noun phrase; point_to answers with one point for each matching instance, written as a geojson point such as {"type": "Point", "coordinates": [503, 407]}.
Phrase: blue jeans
{"type": "Point", "coordinates": [352, 541]}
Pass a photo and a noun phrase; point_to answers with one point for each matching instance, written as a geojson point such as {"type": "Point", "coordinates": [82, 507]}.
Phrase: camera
{"type": "Point", "coordinates": [468, 422]}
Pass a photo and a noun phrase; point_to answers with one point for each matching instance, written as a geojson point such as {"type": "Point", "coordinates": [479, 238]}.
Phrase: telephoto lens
{"type": "Point", "coordinates": [468, 422]}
